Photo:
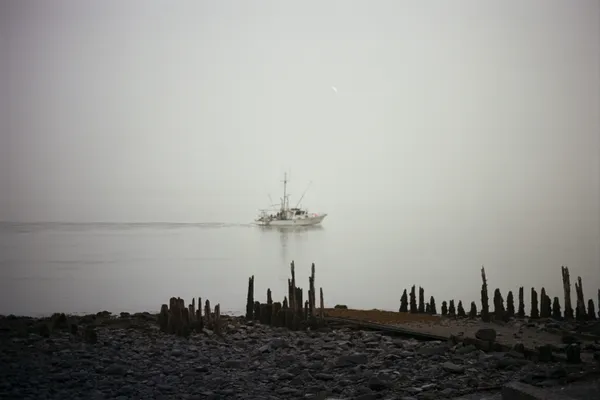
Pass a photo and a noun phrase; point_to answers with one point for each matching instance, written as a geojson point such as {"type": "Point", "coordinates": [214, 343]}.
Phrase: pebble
{"type": "Point", "coordinates": [257, 362]}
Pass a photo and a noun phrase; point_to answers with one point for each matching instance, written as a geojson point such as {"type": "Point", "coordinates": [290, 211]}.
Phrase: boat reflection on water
{"type": "Point", "coordinates": [299, 234]}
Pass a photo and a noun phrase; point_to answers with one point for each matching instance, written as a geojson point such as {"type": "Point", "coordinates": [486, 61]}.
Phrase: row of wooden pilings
{"type": "Point", "coordinates": [181, 320]}
{"type": "Point", "coordinates": [292, 313]}
{"type": "Point", "coordinates": [544, 308]}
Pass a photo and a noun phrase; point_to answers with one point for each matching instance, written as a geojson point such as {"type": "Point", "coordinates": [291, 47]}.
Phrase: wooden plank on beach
{"type": "Point", "coordinates": [389, 329]}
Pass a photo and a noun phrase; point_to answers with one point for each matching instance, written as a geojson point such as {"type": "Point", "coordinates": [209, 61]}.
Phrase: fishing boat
{"type": "Point", "coordinates": [286, 216]}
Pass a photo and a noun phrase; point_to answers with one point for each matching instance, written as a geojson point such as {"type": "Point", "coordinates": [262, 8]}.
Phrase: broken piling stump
{"type": "Point", "coordinates": [473, 310]}
{"type": "Point", "coordinates": [510, 305]}
{"type": "Point", "coordinates": [451, 309]}
{"type": "Point", "coordinates": [321, 305]}
{"type": "Point", "coordinates": [404, 302]}
{"type": "Point", "coordinates": [521, 312]}
{"type": "Point", "coordinates": [580, 312]}
{"type": "Point", "coordinates": [535, 312]}
{"type": "Point", "coordinates": [567, 291]}
{"type": "Point", "coordinates": [413, 300]}
{"type": "Point", "coordinates": [556, 314]}
{"type": "Point", "coordinates": [545, 305]}
{"type": "Point", "coordinates": [250, 299]}
{"type": "Point", "coordinates": [498, 304]}
{"type": "Point", "coordinates": [461, 310]}
{"type": "Point", "coordinates": [421, 308]}
{"type": "Point", "coordinates": [432, 306]}
{"type": "Point", "coordinates": [485, 309]}
{"type": "Point", "coordinates": [591, 310]}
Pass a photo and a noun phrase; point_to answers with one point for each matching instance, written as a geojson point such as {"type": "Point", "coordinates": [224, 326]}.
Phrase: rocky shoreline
{"type": "Point", "coordinates": [128, 357]}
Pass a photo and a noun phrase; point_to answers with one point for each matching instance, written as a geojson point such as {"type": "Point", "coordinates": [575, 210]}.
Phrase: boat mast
{"type": "Point", "coordinates": [284, 203]}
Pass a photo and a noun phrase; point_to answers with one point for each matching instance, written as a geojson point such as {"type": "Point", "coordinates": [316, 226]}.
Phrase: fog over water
{"type": "Point", "coordinates": [438, 136]}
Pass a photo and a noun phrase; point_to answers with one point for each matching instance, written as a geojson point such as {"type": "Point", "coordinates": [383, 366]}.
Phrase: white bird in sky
{"type": "Point", "coordinates": [334, 89]}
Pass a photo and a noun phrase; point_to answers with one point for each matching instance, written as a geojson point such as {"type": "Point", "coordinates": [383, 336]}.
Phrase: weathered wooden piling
{"type": "Point", "coordinates": [432, 307]}
{"type": "Point", "coordinates": [580, 312]}
{"type": "Point", "coordinates": [444, 308]}
{"type": "Point", "coordinates": [451, 309]}
{"type": "Point", "coordinates": [404, 302]}
{"type": "Point", "coordinates": [421, 300]}
{"type": "Point", "coordinates": [275, 316]}
{"type": "Point", "coordinates": [556, 314]}
{"type": "Point", "coordinates": [485, 309]}
{"type": "Point", "coordinates": [269, 308]}
{"type": "Point", "coordinates": [545, 305]}
{"type": "Point", "coordinates": [322, 304]}
{"type": "Point", "coordinates": [163, 318]}
{"type": "Point", "coordinates": [521, 312]}
{"type": "Point", "coordinates": [473, 310]}
{"type": "Point", "coordinates": [567, 290]}
{"type": "Point", "coordinates": [207, 316]}
{"type": "Point", "coordinates": [293, 304]}
{"type": "Point", "coordinates": [192, 311]}
{"type": "Point", "coordinates": [510, 305]}
{"type": "Point", "coordinates": [256, 311]}
{"type": "Point", "coordinates": [460, 310]}
{"type": "Point", "coordinates": [217, 319]}
{"type": "Point", "coordinates": [298, 299]}
{"type": "Point", "coordinates": [498, 304]}
{"type": "Point", "coordinates": [181, 320]}
{"type": "Point", "coordinates": [535, 312]}
{"type": "Point", "coordinates": [250, 299]}
{"type": "Point", "coordinates": [311, 291]}
{"type": "Point", "coordinates": [427, 308]}
{"type": "Point", "coordinates": [591, 310]}
{"type": "Point", "coordinates": [413, 300]}
{"type": "Point", "coordinates": [175, 317]}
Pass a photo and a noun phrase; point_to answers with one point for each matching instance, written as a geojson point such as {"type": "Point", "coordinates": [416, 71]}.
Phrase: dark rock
{"type": "Point", "coordinates": [352, 360]}
{"type": "Point", "coordinates": [365, 396]}
{"type": "Point", "coordinates": [486, 334]}
{"type": "Point", "coordinates": [377, 384]}
{"type": "Point", "coordinates": [324, 377]}
{"type": "Point", "coordinates": [569, 339]}
{"type": "Point", "coordinates": [466, 349]}
{"type": "Point", "coordinates": [115, 369]}
{"type": "Point", "coordinates": [519, 348]}
{"type": "Point", "coordinates": [545, 353]}
{"type": "Point", "coordinates": [433, 350]}
{"type": "Point", "coordinates": [573, 352]}
{"type": "Point", "coordinates": [453, 368]}
{"type": "Point", "coordinates": [341, 306]}
{"type": "Point", "coordinates": [234, 364]}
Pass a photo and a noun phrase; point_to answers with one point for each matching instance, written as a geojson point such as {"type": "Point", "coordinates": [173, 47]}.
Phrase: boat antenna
{"type": "Point", "coordinates": [301, 197]}
{"type": "Point", "coordinates": [284, 199]}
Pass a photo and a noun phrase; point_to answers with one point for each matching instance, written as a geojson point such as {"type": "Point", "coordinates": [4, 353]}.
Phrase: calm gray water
{"type": "Point", "coordinates": [78, 268]}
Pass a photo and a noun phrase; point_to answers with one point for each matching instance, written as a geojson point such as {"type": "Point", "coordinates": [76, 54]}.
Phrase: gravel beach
{"type": "Point", "coordinates": [127, 357]}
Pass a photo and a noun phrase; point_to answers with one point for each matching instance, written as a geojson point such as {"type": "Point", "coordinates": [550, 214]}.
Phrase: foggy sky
{"type": "Point", "coordinates": [465, 117]}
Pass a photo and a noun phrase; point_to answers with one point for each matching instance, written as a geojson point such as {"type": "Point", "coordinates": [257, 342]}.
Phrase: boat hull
{"type": "Point", "coordinates": [294, 222]}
